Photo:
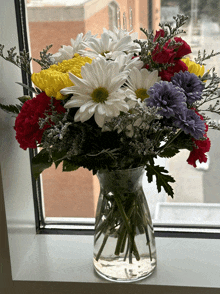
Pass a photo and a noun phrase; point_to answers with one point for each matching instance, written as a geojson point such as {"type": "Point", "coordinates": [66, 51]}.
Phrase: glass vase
{"type": "Point", "coordinates": [124, 242]}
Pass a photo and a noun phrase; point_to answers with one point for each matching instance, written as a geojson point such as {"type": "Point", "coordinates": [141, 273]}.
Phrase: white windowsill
{"type": "Point", "coordinates": [68, 258]}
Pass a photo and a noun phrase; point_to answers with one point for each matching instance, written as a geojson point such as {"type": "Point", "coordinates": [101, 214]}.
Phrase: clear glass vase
{"type": "Point", "coordinates": [124, 242]}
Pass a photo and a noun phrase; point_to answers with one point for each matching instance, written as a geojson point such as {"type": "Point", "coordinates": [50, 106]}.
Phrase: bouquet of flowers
{"type": "Point", "coordinates": [116, 103]}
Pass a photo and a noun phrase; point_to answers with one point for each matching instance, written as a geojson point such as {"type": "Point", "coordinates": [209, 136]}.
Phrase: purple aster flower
{"type": "Point", "coordinates": [191, 85]}
{"type": "Point", "coordinates": [170, 98]}
{"type": "Point", "coordinates": [190, 123]}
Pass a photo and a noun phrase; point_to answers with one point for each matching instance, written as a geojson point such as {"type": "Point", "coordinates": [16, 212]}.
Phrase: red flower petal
{"type": "Point", "coordinates": [28, 133]}
{"type": "Point", "coordinates": [184, 49]}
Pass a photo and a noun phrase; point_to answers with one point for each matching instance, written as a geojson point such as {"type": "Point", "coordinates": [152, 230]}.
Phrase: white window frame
{"type": "Point", "coordinates": [64, 262]}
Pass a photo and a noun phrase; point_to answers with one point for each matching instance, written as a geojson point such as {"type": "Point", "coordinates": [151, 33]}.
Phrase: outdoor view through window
{"type": "Point", "coordinates": [75, 194]}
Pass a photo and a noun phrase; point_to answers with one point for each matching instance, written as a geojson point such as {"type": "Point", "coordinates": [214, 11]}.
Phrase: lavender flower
{"type": "Point", "coordinates": [165, 95]}
{"type": "Point", "coordinates": [191, 85]}
{"type": "Point", "coordinates": [190, 123]}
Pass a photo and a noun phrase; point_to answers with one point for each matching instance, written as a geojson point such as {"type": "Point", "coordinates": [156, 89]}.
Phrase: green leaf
{"type": "Point", "coordinates": [161, 178]}
{"type": "Point", "coordinates": [169, 152]}
{"type": "Point", "coordinates": [24, 98]}
{"type": "Point", "coordinates": [28, 88]}
{"type": "Point", "coordinates": [69, 165]}
{"type": "Point", "coordinates": [183, 141]}
{"type": "Point", "coordinates": [10, 108]}
{"type": "Point", "coordinates": [40, 162]}
{"type": "Point", "coordinates": [58, 157]}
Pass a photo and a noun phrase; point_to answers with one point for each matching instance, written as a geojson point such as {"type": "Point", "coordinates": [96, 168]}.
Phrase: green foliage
{"type": "Point", "coordinates": [41, 162]}
{"type": "Point", "coordinates": [24, 98]}
{"type": "Point", "coordinates": [14, 109]}
{"type": "Point", "coordinates": [69, 165]}
{"type": "Point", "coordinates": [22, 61]}
{"type": "Point", "coordinates": [58, 157]}
{"type": "Point", "coordinates": [162, 180]}
{"type": "Point", "coordinates": [44, 60]}
{"type": "Point", "coordinates": [210, 94]}
{"type": "Point", "coordinates": [202, 57]}
{"type": "Point", "coordinates": [169, 152]}
{"type": "Point", "coordinates": [31, 89]}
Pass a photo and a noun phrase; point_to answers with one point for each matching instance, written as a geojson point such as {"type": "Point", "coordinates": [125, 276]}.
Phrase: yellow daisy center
{"type": "Point", "coordinates": [105, 52]}
{"type": "Point", "coordinates": [141, 93]}
{"type": "Point", "coordinates": [100, 95]}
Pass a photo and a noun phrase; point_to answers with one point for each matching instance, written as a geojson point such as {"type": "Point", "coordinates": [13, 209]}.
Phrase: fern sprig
{"type": "Point", "coordinates": [22, 61]}
{"type": "Point", "coordinates": [204, 56]}
{"type": "Point", "coordinates": [44, 60]}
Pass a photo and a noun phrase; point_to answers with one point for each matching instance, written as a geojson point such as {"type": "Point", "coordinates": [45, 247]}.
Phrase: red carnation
{"type": "Point", "coordinates": [159, 33]}
{"type": "Point", "coordinates": [28, 133]}
{"type": "Point", "coordinates": [183, 49]}
{"type": "Point", "coordinates": [170, 54]}
{"type": "Point", "coordinates": [167, 74]}
{"type": "Point", "coordinates": [199, 151]}
{"type": "Point", "coordinates": [164, 55]}
{"type": "Point", "coordinates": [200, 148]}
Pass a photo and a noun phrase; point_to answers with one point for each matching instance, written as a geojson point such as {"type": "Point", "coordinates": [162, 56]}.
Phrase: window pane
{"type": "Point", "coordinates": [74, 194]}
{"type": "Point", "coordinates": [197, 186]}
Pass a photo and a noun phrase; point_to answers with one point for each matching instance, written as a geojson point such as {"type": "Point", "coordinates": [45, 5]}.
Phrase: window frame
{"type": "Point", "coordinates": [19, 238]}
{"type": "Point", "coordinates": [78, 226]}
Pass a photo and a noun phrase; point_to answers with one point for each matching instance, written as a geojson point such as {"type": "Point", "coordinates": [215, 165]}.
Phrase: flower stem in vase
{"type": "Point", "coordinates": [128, 227]}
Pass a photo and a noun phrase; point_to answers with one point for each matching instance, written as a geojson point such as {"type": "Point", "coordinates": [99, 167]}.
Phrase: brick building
{"type": "Point", "coordinates": [56, 22]}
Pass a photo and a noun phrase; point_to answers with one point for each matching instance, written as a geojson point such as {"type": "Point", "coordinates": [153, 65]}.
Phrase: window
{"type": "Point", "coordinates": [196, 199]}
{"type": "Point", "coordinates": [77, 207]}
{"type": "Point", "coordinates": [49, 23]}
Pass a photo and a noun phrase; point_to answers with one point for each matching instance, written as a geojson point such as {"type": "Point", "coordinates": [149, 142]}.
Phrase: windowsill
{"type": "Point", "coordinates": [68, 258]}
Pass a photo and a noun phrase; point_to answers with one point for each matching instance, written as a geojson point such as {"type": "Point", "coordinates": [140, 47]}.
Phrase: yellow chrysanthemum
{"type": "Point", "coordinates": [194, 67]}
{"type": "Point", "coordinates": [56, 77]}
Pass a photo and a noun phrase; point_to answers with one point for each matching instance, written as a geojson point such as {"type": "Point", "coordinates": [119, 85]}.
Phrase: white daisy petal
{"type": "Point", "coordinates": [92, 108]}
{"type": "Point", "coordinates": [78, 81]}
{"type": "Point", "coordinates": [75, 103]}
{"type": "Point", "coordinates": [153, 78]}
{"type": "Point", "coordinates": [123, 107]}
{"type": "Point", "coordinates": [68, 90]}
{"type": "Point", "coordinates": [101, 109]}
{"type": "Point", "coordinates": [116, 83]}
{"type": "Point", "coordinates": [123, 43]}
{"type": "Point", "coordinates": [99, 119]}
{"type": "Point", "coordinates": [105, 40]}
{"type": "Point", "coordinates": [138, 78]}
{"type": "Point", "coordinates": [85, 115]}
{"type": "Point", "coordinates": [86, 105]}
{"type": "Point", "coordinates": [77, 116]}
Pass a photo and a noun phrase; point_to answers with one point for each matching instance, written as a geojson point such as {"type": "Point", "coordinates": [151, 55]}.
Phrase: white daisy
{"type": "Point", "coordinates": [138, 83]}
{"type": "Point", "coordinates": [67, 52]}
{"type": "Point", "coordinates": [127, 62]}
{"type": "Point", "coordinates": [118, 34]}
{"type": "Point", "coordinates": [106, 47]}
{"type": "Point", "coordinates": [98, 93]}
